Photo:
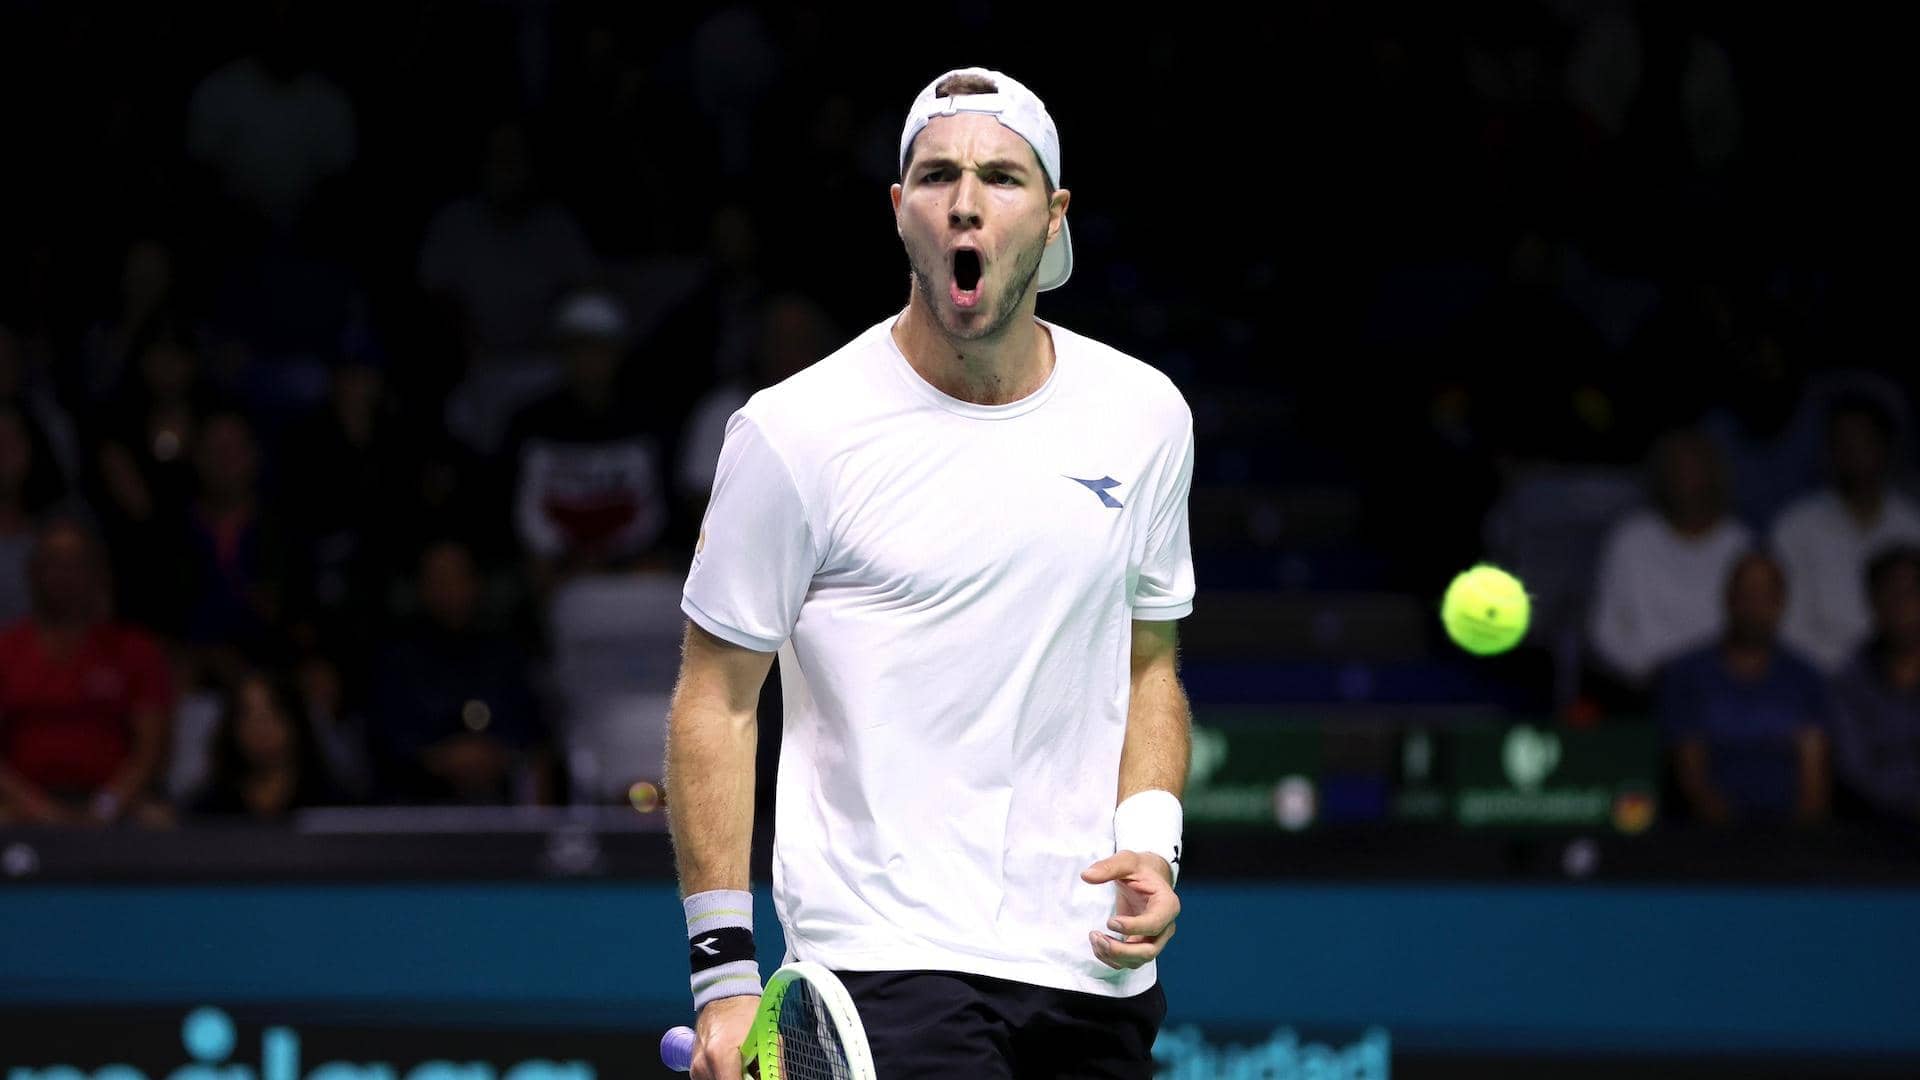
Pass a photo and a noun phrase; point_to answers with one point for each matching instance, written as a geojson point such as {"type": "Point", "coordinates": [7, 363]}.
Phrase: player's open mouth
{"type": "Point", "coordinates": [966, 277]}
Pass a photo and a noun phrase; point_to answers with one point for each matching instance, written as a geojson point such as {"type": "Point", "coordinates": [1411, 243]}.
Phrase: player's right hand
{"type": "Point", "coordinates": [719, 1034]}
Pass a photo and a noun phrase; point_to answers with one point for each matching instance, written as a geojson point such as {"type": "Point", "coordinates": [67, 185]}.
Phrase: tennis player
{"type": "Point", "coordinates": [965, 536]}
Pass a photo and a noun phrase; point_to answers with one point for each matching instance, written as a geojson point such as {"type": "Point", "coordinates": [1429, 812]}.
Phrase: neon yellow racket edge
{"type": "Point", "coordinates": [805, 1029]}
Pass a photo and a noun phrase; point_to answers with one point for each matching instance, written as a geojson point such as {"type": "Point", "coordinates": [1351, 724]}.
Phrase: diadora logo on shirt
{"type": "Point", "coordinates": [1099, 487]}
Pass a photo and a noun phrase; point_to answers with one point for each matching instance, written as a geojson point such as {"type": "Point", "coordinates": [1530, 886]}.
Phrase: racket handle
{"type": "Point", "coordinates": [676, 1049]}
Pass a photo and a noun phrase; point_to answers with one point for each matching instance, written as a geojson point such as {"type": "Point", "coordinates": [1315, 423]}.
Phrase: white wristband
{"type": "Point", "coordinates": [1150, 821]}
{"type": "Point", "coordinates": [720, 945]}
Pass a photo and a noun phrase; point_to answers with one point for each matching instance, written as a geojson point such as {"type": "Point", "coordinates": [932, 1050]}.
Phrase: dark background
{"type": "Point", "coordinates": [1402, 259]}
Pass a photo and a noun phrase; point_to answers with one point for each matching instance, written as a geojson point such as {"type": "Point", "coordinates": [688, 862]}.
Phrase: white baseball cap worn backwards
{"type": "Point", "coordinates": [1019, 111]}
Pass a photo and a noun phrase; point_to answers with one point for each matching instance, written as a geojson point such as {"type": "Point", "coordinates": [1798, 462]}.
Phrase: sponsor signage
{"type": "Point", "coordinates": [294, 1042]}
{"type": "Point", "coordinates": [1536, 776]}
{"type": "Point", "coordinates": [1296, 774]}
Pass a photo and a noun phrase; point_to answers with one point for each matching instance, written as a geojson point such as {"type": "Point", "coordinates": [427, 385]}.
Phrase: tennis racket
{"type": "Point", "coordinates": [806, 1029]}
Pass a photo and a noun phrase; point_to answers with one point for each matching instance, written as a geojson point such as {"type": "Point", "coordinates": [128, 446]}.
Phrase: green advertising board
{"type": "Point", "coordinates": [1247, 775]}
{"type": "Point", "coordinates": [1536, 776]}
{"type": "Point", "coordinates": [1276, 769]}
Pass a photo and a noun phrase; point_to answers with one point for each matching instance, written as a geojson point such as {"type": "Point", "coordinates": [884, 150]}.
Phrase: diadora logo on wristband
{"type": "Point", "coordinates": [720, 946]}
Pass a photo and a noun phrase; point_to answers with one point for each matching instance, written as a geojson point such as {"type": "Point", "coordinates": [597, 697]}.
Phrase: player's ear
{"type": "Point", "coordinates": [1057, 211]}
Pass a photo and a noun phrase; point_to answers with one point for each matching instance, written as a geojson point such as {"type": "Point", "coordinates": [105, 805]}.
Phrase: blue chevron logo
{"type": "Point", "coordinates": [1099, 487]}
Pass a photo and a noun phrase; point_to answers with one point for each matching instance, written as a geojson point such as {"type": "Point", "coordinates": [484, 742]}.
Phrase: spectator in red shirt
{"type": "Point", "coordinates": [84, 700]}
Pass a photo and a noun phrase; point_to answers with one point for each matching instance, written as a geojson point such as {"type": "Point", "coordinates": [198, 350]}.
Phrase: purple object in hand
{"type": "Point", "coordinates": [676, 1049]}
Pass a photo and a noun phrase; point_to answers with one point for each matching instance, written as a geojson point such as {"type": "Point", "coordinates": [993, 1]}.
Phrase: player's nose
{"type": "Point", "coordinates": [964, 211]}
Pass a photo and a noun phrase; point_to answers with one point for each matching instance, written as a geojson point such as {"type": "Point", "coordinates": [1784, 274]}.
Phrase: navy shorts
{"type": "Point", "coordinates": [929, 1025]}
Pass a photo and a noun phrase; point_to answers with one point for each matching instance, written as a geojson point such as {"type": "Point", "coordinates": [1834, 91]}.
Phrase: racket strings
{"type": "Point", "coordinates": [810, 1046]}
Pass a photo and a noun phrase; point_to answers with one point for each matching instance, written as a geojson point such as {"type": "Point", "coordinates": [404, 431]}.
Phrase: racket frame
{"type": "Point", "coordinates": [763, 1039]}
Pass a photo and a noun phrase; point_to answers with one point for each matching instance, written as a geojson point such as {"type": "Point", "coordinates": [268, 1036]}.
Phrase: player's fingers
{"type": "Point", "coordinates": [1154, 913]}
{"type": "Point", "coordinates": [1145, 925]}
{"type": "Point", "coordinates": [1111, 868]}
{"type": "Point", "coordinates": [1128, 954]}
{"type": "Point", "coordinates": [717, 1066]}
{"type": "Point", "coordinates": [1162, 909]}
{"type": "Point", "coordinates": [1116, 954]}
{"type": "Point", "coordinates": [716, 1061]}
{"type": "Point", "coordinates": [1100, 950]}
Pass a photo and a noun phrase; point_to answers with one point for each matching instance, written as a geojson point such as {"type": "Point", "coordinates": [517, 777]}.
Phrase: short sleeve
{"type": "Point", "coordinates": [1164, 588]}
{"type": "Point", "coordinates": [756, 555]}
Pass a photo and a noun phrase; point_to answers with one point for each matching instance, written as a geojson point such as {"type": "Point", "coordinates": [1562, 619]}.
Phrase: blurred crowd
{"type": "Point", "coordinates": [1783, 663]}
{"type": "Point", "coordinates": [279, 531]}
{"type": "Point", "coordinates": [362, 371]}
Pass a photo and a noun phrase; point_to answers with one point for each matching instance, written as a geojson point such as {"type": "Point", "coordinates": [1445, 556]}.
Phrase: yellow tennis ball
{"type": "Point", "coordinates": [1485, 610]}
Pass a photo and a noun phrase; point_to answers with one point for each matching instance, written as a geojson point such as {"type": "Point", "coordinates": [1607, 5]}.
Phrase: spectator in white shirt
{"type": "Point", "coordinates": [503, 256]}
{"type": "Point", "coordinates": [1659, 591]}
{"type": "Point", "coordinates": [1825, 538]}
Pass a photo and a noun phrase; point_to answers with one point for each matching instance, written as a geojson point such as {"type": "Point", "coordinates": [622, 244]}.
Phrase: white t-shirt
{"type": "Point", "coordinates": [1660, 594]}
{"type": "Point", "coordinates": [1825, 552]}
{"type": "Point", "coordinates": [951, 589]}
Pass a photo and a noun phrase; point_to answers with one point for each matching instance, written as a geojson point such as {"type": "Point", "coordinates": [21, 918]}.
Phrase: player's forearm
{"type": "Point", "coordinates": [1154, 755]}
{"type": "Point", "coordinates": [710, 778]}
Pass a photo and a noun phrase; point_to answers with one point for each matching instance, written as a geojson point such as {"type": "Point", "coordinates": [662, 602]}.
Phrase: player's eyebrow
{"type": "Point", "coordinates": [1005, 165]}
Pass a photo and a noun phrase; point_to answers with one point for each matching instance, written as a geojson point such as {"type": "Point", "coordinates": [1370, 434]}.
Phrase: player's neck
{"type": "Point", "coordinates": [984, 371]}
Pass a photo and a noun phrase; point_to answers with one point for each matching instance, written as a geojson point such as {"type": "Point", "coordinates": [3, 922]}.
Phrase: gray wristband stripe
{"type": "Point", "coordinates": [719, 907]}
{"type": "Point", "coordinates": [708, 920]}
{"type": "Point", "coordinates": [732, 979]}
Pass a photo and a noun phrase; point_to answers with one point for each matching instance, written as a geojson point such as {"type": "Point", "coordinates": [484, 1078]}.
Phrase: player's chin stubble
{"type": "Point", "coordinates": [1004, 304]}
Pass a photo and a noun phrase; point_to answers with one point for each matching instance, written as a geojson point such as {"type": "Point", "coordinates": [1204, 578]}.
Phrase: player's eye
{"type": "Point", "coordinates": [999, 178]}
